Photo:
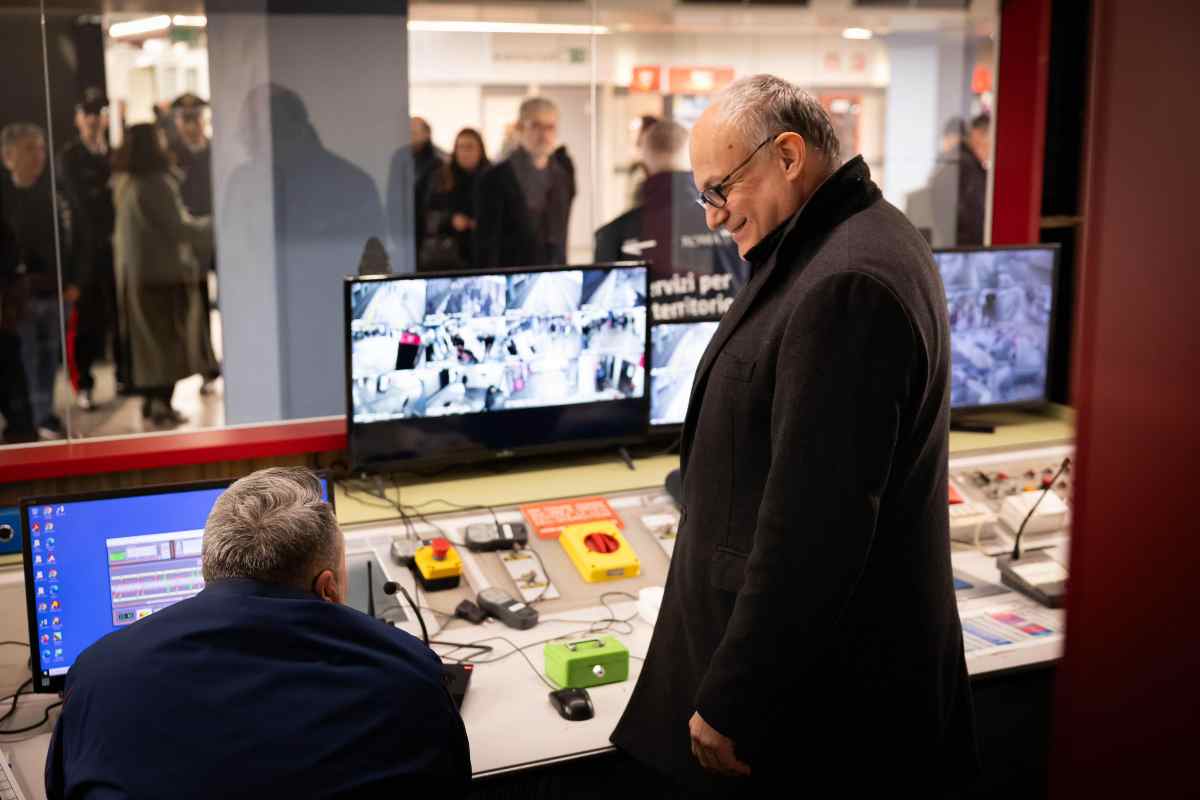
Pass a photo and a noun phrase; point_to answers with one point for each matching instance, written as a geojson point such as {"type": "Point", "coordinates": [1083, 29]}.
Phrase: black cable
{"type": "Point", "coordinates": [1016, 551]}
{"type": "Point", "coordinates": [15, 696]}
{"type": "Point", "coordinates": [45, 718]}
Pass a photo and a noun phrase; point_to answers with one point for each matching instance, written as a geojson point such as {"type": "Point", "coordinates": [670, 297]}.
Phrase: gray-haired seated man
{"type": "Point", "coordinates": [264, 684]}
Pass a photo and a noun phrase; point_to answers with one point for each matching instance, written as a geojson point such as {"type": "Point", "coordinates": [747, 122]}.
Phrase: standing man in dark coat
{"type": "Point", "coordinates": [809, 631]}
{"type": "Point", "coordinates": [525, 200]}
{"type": "Point", "coordinates": [410, 169]}
{"type": "Point", "coordinates": [85, 175]}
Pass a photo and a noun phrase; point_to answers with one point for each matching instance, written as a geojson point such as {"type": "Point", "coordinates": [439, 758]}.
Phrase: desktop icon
{"type": "Point", "coordinates": [46, 654]}
{"type": "Point", "coordinates": [47, 511]}
{"type": "Point", "coordinates": [55, 605]}
{"type": "Point", "coordinates": [37, 558]}
{"type": "Point", "coordinates": [50, 559]}
{"type": "Point", "coordinates": [41, 591]}
{"type": "Point", "coordinates": [36, 527]}
{"type": "Point", "coordinates": [37, 576]}
{"type": "Point", "coordinates": [42, 607]}
{"type": "Point", "coordinates": [43, 622]}
{"type": "Point", "coordinates": [56, 622]}
{"type": "Point", "coordinates": [58, 636]}
{"type": "Point", "coordinates": [45, 638]}
{"type": "Point", "coordinates": [61, 510]}
{"type": "Point", "coordinates": [50, 542]}
{"type": "Point", "coordinates": [54, 588]}
{"type": "Point", "coordinates": [58, 653]}
{"type": "Point", "coordinates": [33, 512]}
{"type": "Point", "coordinates": [53, 574]}
{"type": "Point", "coordinates": [37, 544]}
{"type": "Point", "coordinates": [49, 527]}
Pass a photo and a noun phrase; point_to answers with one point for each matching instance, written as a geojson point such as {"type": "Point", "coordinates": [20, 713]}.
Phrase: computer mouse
{"type": "Point", "coordinates": [572, 704]}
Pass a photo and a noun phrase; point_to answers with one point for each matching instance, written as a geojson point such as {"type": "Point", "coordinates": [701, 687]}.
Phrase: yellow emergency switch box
{"type": "Point", "coordinates": [599, 551]}
{"type": "Point", "coordinates": [437, 565]}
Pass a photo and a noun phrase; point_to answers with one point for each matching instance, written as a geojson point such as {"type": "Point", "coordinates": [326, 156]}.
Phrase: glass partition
{"type": "Point", "coordinates": [215, 169]}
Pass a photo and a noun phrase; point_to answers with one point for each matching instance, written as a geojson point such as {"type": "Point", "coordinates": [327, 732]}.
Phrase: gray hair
{"type": "Point", "coordinates": [272, 526]}
{"type": "Point", "coordinates": [535, 105]}
{"type": "Point", "coordinates": [762, 106]}
{"type": "Point", "coordinates": [17, 131]}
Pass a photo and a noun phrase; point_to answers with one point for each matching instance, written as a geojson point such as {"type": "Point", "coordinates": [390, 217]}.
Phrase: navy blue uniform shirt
{"type": "Point", "coordinates": [256, 690]}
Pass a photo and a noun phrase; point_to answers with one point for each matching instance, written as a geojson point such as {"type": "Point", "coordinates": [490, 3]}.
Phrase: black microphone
{"type": "Point", "coordinates": [391, 587]}
{"type": "Point", "coordinates": [1016, 551]}
{"type": "Point", "coordinates": [370, 590]}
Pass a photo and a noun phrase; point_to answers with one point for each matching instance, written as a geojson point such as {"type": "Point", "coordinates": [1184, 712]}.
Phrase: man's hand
{"type": "Point", "coordinates": [714, 751]}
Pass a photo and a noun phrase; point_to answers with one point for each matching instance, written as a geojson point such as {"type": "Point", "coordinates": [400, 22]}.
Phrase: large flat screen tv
{"type": "Point", "coordinates": [1002, 312]}
{"type": "Point", "coordinates": [473, 366]}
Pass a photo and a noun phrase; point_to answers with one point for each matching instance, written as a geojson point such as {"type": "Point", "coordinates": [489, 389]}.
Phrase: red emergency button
{"type": "Point", "coordinates": [955, 497]}
{"type": "Point", "coordinates": [440, 548]}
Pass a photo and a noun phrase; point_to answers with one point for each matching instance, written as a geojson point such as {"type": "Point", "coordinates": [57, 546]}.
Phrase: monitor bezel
{"type": "Point", "coordinates": [49, 684]}
{"type": "Point", "coordinates": [1051, 354]}
{"type": "Point", "coordinates": [483, 455]}
{"type": "Point", "coordinates": [670, 429]}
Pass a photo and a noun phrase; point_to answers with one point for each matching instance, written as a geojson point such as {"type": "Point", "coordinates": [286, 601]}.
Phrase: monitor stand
{"type": "Point", "coordinates": [964, 423]}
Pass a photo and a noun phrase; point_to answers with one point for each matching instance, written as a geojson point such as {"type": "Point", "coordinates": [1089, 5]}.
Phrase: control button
{"type": "Point", "coordinates": [440, 548]}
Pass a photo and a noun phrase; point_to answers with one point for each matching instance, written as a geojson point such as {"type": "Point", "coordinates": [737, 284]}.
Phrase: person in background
{"type": "Point", "coordinates": [667, 228]}
{"type": "Point", "coordinates": [14, 389]}
{"type": "Point", "coordinates": [191, 156]}
{"type": "Point", "coordinates": [447, 221]}
{"type": "Point", "coordinates": [265, 684]}
{"type": "Point", "coordinates": [958, 187]}
{"type": "Point", "coordinates": [154, 246]}
{"type": "Point", "coordinates": [410, 168]}
{"type": "Point", "coordinates": [525, 200]}
{"type": "Point", "coordinates": [85, 173]}
{"type": "Point", "coordinates": [32, 307]}
{"type": "Point", "coordinates": [638, 171]}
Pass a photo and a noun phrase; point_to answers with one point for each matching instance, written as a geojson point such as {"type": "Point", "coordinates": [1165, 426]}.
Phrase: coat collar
{"type": "Point", "coordinates": [843, 194]}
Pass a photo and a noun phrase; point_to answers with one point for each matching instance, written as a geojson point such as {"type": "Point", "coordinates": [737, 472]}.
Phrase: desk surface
{"type": "Point", "coordinates": [508, 695]}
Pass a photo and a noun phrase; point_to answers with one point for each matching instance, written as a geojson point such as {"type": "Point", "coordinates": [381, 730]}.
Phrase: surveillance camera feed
{"type": "Point", "coordinates": [1001, 304]}
{"type": "Point", "coordinates": [490, 362]}
{"type": "Point", "coordinates": [675, 351]}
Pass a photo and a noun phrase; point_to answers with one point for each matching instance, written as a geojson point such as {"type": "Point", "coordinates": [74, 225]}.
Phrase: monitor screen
{"type": "Point", "coordinates": [99, 562]}
{"type": "Point", "coordinates": [455, 367]}
{"type": "Point", "coordinates": [1001, 306]}
{"type": "Point", "coordinates": [675, 351]}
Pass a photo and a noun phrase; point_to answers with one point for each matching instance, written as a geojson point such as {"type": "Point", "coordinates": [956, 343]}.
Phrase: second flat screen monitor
{"type": "Point", "coordinates": [459, 367]}
{"type": "Point", "coordinates": [676, 349]}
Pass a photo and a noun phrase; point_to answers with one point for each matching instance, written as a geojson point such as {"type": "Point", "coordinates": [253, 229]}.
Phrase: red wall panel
{"type": "Point", "coordinates": [1128, 707]}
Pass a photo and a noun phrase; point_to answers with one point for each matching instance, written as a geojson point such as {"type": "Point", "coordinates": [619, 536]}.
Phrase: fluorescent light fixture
{"type": "Point", "coordinates": [137, 27]}
{"type": "Point", "coordinates": [857, 33]}
{"type": "Point", "coordinates": [189, 21]}
{"type": "Point", "coordinates": [473, 26]}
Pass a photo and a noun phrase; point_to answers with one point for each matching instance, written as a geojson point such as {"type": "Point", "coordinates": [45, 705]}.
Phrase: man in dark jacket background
{"type": "Point", "coordinates": [264, 684]}
{"type": "Point", "coordinates": [525, 200]}
{"type": "Point", "coordinates": [667, 227]}
{"type": "Point", "coordinates": [809, 631]}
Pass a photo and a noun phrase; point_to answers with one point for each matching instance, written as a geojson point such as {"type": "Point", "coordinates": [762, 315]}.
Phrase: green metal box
{"type": "Point", "coordinates": [587, 662]}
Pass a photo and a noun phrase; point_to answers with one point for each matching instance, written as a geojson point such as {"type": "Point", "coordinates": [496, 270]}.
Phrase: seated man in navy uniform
{"type": "Point", "coordinates": [264, 684]}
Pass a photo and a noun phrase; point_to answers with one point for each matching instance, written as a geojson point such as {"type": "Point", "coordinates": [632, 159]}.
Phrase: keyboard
{"type": "Point", "coordinates": [9, 788]}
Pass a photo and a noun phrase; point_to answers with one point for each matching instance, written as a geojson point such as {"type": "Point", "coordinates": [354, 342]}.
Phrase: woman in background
{"type": "Point", "coordinates": [449, 209]}
{"type": "Point", "coordinates": [155, 244]}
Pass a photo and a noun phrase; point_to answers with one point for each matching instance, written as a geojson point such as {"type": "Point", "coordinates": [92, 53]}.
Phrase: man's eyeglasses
{"type": "Point", "coordinates": [714, 195]}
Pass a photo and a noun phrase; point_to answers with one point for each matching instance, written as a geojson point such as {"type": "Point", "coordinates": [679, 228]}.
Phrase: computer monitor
{"type": "Point", "coordinates": [1002, 310]}
{"type": "Point", "coordinates": [453, 367]}
{"type": "Point", "coordinates": [95, 563]}
{"type": "Point", "coordinates": [675, 351]}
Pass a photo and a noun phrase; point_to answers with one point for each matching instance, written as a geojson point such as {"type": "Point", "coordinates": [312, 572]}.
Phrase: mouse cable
{"type": "Point", "coordinates": [45, 718]}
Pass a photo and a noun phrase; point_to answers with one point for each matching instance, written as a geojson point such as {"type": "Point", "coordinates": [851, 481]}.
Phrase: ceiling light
{"type": "Point", "coordinates": [472, 26]}
{"type": "Point", "coordinates": [137, 27]}
{"type": "Point", "coordinates": [857, 33]}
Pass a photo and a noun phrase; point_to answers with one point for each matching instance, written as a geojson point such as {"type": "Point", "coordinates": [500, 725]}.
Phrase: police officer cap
{"type": "Point", "coordinates": [93, 101]}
